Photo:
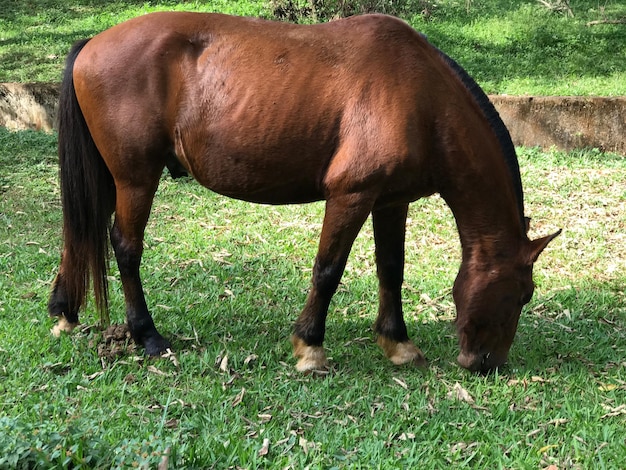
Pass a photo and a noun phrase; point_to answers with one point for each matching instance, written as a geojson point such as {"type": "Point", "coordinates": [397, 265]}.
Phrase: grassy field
{"type": "Point", "coordinates": [509, 46]}
{"type": "Point", "coordinates": [226, 279]}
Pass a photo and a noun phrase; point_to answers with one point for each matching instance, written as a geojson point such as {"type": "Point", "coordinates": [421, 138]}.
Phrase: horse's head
{"type": "Point", "coordinates": [489, 296]}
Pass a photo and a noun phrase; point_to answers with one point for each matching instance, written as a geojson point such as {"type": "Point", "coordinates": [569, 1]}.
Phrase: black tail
{"type": "Point", "coordinates": [88, 198]}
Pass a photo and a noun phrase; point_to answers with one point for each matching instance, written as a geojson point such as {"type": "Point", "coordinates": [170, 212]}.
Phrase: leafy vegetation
{"type": "Point", "coordinates": [225, 280]}
{"type": "Point", "coordinates": [513, 47]}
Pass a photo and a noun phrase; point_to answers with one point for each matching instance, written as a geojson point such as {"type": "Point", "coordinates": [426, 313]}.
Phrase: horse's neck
{"type": "Point", "coordinates": [479, 190]}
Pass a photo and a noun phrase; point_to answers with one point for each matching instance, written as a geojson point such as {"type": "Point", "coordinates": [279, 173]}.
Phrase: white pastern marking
{"type": "Point", "coordinates": [311, 357]}
{"type": "Point", "coordinates": [62, 325]}
{"type": "Point", "coordinates": [402, 353]}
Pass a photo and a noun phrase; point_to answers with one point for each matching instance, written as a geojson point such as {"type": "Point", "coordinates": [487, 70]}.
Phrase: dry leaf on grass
{"type": "Point", "coordinates": [165, 460]}
{"type": "Point", "coordinates": [607, 387]}
{"type": "Point", "coordinates": [401, 383]}
{"type": "Point", "coordinates": [249, 359]}
{"type": "Point", "coordinates": [171, 355]}
{"type": "Point", "coordinates": [557, 422]}
{"type": "Point", "coordinates": [265, 448]}
{"type": "Point", "coordinates": [171, 423]}
{"type": "Point", "coordinates": [154, 370]}
{"type": "Point", "coordinates": [239, 398]}
{"type": "Point", "coordinates": [306, 445]}
{"type": "Point", "coordinates": [459, 393]}
{"type": "Point", "coordinates": [462, 446]}
{"type": "Point", "coordinates": [524, 382]}
{"type": "Point", "coordinates": [224, 363]}
{"type": "Point", "coordinates": [620, 410]}
{"type": "Point", "coordinates": [545, 449]}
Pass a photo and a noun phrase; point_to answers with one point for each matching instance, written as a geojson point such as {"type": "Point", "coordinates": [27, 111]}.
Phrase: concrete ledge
{"type": "Point", "coordinates": [565, 122]}
{"type": "Point", "coordinates": [28, 106]}
{"type": "Point", "coordinates": [562, 122]}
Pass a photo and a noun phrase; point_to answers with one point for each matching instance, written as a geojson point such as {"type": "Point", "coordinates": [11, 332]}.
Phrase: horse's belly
{"type": "Point", "coordinates": [255, 160]}
{"type": "Point", "coordinates": [277, 193]}
{"type": "Point", "coordinates": [261, 179]}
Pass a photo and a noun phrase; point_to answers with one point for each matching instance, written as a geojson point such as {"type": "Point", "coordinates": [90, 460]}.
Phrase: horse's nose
{"type": "Point", "coordinates": [480, 362]}
{"type": "Point", "coordinates": [471, 361]}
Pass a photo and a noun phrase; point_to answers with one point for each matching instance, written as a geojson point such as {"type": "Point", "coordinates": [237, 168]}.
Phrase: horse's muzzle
{"type": "Point", "coordinates": [481, 362]}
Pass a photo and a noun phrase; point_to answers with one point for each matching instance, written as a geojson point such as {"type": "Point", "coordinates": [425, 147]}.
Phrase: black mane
{"type": "Point", "coordinates": [495, 121]}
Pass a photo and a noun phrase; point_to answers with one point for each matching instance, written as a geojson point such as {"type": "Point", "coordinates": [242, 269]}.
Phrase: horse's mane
{"type": "Point", "coordinates": [495, 121]}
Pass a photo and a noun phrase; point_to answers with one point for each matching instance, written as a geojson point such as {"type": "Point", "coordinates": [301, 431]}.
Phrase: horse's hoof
{"type": "Point", "coordinates": [402, 353]}
{"type": "Point", "coordinates": [62, 326]}
{"type": "Point", "coordinates": [156, 345]}
{"type": "Point", "coordinates": [311, 358]}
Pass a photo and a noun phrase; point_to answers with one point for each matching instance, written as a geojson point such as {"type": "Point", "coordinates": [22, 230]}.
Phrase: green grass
{"type": "Point", "coordinates": [509, 46]}
{"type": "Point", "coordinates": [225, 281]}
{"type": "Point", "coordinates": [520, 47]}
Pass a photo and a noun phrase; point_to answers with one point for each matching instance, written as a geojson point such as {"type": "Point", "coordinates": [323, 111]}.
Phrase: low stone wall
{"type": "Point", "coordinates": [565, 122]}
{"type": "Point", "coordinates": [28, 106]}
{"type": "Point", "coordinates": [562, 122]}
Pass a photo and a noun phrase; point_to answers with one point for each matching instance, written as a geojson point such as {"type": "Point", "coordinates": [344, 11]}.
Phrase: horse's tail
{"type": "Point", "coordinates": [88, 198]}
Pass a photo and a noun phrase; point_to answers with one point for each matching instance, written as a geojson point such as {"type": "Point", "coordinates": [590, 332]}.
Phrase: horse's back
{"type": "Point", "coordinates": [258, 109]}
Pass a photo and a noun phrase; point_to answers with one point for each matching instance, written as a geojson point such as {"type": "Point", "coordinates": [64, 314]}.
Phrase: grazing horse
{"type": "Point", "coordinates": [361, 112]}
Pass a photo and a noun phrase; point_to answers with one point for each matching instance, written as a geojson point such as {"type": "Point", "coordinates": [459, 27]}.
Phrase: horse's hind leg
{"type": "Point", "coordinates": [61, 306]}
{"type": "Point", "coordinates": [343, 219]}
{"type": "Point", "coordinates": [66, 297]}
{"type": "Point", "coordinates": [389, 234]}
{"type": "Point", "coordinates": [132, 209]}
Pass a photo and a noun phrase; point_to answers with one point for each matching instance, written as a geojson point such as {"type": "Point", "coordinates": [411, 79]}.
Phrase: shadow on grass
{"type": "Point", "coordinates": [533, 43]}
{"type": "Point", "coordinates": [534, 48]}
{"type": "Point", "coordinates": [573, 329]}
{"type": "Point", "coordinates": [15, 10]}
{"type": "Point", "coordinates": [563, 333]}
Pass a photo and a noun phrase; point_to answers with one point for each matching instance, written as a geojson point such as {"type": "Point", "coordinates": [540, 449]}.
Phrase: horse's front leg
{"type": "Point", "coordinates": [389, 235]}
{"type": "Point", "coordinates": [131, 215]}
{"type": "Point", "coordinates": [343, 219]}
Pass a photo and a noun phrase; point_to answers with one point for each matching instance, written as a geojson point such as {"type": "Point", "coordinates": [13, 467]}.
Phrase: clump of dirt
{"type": "Point", "coordinates": [116, 341]}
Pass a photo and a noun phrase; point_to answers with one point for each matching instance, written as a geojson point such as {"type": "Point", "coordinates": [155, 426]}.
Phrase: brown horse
{"type": "Point", "coordinates": [363, 113]}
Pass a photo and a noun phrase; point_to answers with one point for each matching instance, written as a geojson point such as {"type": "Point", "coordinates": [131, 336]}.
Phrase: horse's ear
{"type": "Point", "coordinates": [537, 246]}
